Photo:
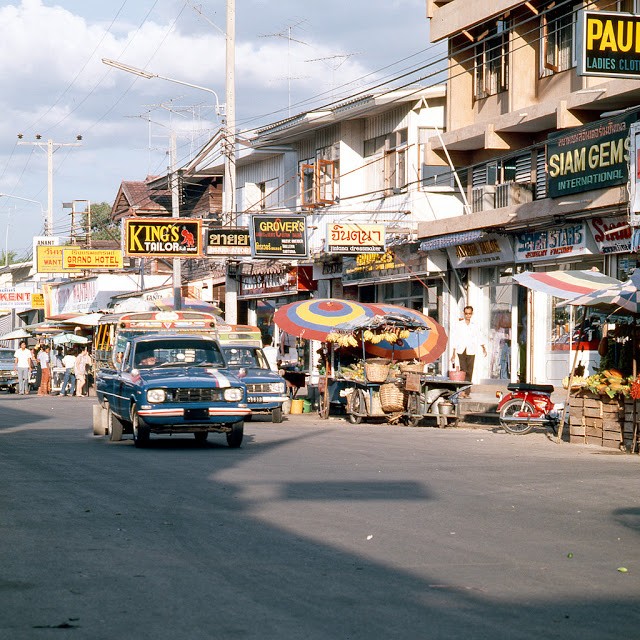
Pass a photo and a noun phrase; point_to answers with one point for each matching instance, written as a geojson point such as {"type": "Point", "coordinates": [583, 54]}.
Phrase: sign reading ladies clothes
{"type": "Point", "coordinates": [550, 244]}
{"type": "Point", "coordinates": [592, 157]}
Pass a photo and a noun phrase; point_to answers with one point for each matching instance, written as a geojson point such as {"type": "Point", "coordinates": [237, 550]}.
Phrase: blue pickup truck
{"type": "Point", "coordinates": [171, 384]}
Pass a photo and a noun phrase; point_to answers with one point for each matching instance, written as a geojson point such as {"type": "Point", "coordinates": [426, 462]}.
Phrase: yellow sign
{"type": "Point", "coordinates": [37, 301]}
{"type": "Point", "coordinates": [49, 259]}
{"type": "Point", "coordinates": [166, 237]}
{"type": "Point", "coordinates": [355, 238]}
{"type": "Point", "coordinates": [92, 259]}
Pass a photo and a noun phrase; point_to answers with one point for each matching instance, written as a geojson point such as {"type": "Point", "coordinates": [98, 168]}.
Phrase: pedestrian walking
{"type": "Point", "coordinates": [271, 353]}
{"type": "Point", "coordinates": [69, 380]}
{"type": "Point", "coordinates": [466, 340]}
{"type": "Point", "coordinates": [45, 371]}
{"type": "Point", "coordinates": [23, 364]}
{"type": "Point", "coordinates": [83, 361]}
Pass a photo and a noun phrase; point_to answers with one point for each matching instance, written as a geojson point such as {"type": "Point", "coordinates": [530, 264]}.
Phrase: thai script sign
{"type": "Point", "coordinates": [228, 241]}
{"type": "Point", "coordinates": [608, 44]}
{"type": "Point", "coordinates": [261, 284]}
{"type": "Point", "coordinates": [355, 238]}
{"type": "Point", "coordinates": [612, 235]}
{"type": "Point", "coordinates": [92, 259]}
{"type": "Point", "coordinates": [589, 158]}
{"type": "Point", "coordinates": [49, 259]}
{"type": "Point", "coordinates": [550, 244]}
{"type": "Point", "coordinates": [166, 237]}
{"type": "Point", "coordinates": [279, 236]}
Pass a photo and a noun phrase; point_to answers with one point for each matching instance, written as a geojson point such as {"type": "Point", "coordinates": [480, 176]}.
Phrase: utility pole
{"type": "Point", "coordinates": [229, 186]}
{"type": "Point", "coordinates": [51, 146]}
{"type": "Point", "coordinates": [175, 213]}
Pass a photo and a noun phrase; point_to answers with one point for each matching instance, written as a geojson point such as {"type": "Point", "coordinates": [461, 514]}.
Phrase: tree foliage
{"type": "Point", "coordinates": [102, 226]}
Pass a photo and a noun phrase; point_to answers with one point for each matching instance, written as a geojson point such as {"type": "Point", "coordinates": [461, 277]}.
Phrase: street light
{"type": "Point", "coordinates": [148, 75]}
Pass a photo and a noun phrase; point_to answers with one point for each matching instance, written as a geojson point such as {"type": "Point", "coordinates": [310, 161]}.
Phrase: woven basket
{"type": "Point", "coordinates": [376, 370]}
{"type": "Point", "coordinates": [391, 398]}
{"type": "Point", "coordinates": [413, 367]}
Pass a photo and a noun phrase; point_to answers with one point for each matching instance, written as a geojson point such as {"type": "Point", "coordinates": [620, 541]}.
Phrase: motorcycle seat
{"type": "Point", "coordinates": [525, 386]}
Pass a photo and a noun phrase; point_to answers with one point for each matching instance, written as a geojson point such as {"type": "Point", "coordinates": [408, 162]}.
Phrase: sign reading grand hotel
{"type": "Point", "coordinates": [279, 236]}
{"type": "Point", "coordinates": [609, 44]}
{"type": "Point", "coordinates": [591, 157]}
{"type": "Point", "coordinates": [92, 258]}
{"type": "Point", "coordinates": [228, 241]}
{"type": "Point", "coordinates": [355, 238]}
{"type": "Point", "coordinates": [165, 237]}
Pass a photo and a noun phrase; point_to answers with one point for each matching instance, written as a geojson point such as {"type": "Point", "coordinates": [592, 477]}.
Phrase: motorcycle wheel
{"type": "Point", "coordinates": [509, 409]}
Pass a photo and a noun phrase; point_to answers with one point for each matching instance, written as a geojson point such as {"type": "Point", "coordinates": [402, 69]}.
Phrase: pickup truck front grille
{"type": "Point", "coordinates": [259, 388]}
{"type": "Point", "coordinates": [196, 395]}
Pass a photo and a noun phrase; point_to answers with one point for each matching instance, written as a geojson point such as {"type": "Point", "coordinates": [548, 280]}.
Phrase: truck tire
{"type": "Point", "coordinates": [114, 426]}
{"type": "Point", "coordinates": [140, 432]}
{"type": "Point", "coordinates": [234, 437]}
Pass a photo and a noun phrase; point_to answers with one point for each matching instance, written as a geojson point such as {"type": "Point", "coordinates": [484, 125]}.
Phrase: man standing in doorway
{"type": "Point", "coordinates": [23, 362]}
{"type": "Point", "coordinates": [466, 341]}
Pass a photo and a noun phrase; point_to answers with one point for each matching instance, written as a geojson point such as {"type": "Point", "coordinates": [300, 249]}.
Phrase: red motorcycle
{"type": "Point", "coordinates": [528, 406]}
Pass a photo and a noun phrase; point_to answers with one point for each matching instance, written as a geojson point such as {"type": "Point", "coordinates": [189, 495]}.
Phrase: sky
{"type": "Point", "coordinates": [290, 57]}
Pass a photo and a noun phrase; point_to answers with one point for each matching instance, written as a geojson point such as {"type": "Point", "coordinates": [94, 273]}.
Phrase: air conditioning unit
{"type": "Point", "coordinates": [483, 198]}
{"type": "Point", "coordinates": [513, 193]}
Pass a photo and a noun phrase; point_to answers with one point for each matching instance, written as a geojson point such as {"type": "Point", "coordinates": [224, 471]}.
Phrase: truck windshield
{"type": "Point", "coordinates": [179, 353]}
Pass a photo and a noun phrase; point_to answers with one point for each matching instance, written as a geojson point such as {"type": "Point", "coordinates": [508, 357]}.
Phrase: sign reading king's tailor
{"type": "Point", "coordinates": [608, 44]}
{"type": "Point", "coordinates": [279, 236]}
{"type": "Point", "coordinates": [591, 157]}
{"type": "Point", "coordinates": [166, 237]}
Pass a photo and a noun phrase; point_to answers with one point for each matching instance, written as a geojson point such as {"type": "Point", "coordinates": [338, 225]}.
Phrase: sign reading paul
{"type": "Point", "coordinates": [608, 44]}
{"type": "Point", "coordinates": [279, 236]}
{"type": "Point", "coordinates": [591, 157]}
{"type": "Point", "coordinates": [165, 237]}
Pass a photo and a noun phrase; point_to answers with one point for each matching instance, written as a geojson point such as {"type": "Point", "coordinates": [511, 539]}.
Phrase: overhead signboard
{"type": "Point", "coordinates": [15, 299]}
{"type": "Point", "coordinates": [612, 234]}
{"type": "Point", "coordinates": [279, 236]}
{"type": "Point", "coordinates": [591, 157]}
{"type": "Point", "coordinates": [355, 238]}
{"type": "Point", "coordinates": [163, 237]}
{"type": "Point", "coordinates": [49, 259]}
{"type": "Point", "coordinates": [608, 44]}
{"type": "Point", "coordinates": [92, 259]}
{"type": "Point", "coordinates": [551, 244]}
{"type": "Point", "coordinates": [228, 241]}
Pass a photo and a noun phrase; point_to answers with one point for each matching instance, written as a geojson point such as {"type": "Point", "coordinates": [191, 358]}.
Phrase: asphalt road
{"type": "Point", "coordinates": [312, 530]}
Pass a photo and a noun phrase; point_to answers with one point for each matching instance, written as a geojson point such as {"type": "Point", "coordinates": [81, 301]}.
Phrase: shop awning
{"type": "Point", "coordinates": [565, 284]}
{"type": "Point", "coordinates": [451, 240]}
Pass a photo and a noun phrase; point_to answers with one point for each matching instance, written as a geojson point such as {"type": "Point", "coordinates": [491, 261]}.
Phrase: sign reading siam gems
{"type": "Point", "coordinates": [355, 238]}
{"type": "Point", "coordinates": [165, 237]}
{"type": "Point", "coordinates": [279, 236]}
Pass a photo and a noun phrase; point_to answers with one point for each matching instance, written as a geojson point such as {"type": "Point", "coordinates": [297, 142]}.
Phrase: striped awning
{"type": "Point", "coordinates": [565, 284]}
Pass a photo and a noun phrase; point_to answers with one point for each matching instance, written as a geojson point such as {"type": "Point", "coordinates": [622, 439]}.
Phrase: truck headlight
{"type": "Point", "coordinates": [156, 395]}
{"type": "Point", "coordinates": [233, 394]}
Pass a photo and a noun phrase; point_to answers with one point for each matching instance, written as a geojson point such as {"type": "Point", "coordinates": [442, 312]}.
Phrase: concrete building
{"type": "Point", "coordinates": [542, 153]}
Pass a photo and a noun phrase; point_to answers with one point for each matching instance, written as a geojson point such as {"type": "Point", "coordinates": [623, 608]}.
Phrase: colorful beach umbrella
{"type": "Point", "coordinates": [426, 345]}
{"type": "Point", "coordinates": [314, 319]}
{"type": "Point", "coordinates": [622, 298]}
{"type": "Point", "coordinates": [565, 284]}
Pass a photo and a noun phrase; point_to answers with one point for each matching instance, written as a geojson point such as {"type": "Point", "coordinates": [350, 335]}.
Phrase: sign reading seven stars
{"type": "Point", "coordinates": [164, 237]}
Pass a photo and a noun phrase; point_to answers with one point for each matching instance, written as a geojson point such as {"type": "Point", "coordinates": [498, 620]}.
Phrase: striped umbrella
{"type": "Point", "coordinates": [565, 284]}
{"type": "Point", "coordinates": [622, 298]}
{"type": "Point", "coordinates": [426, 345]}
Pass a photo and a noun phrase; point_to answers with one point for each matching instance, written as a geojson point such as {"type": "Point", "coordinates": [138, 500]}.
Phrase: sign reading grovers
{"type": "Point", "coordinates": [608, 44]}
{"type": "Point", "coordinates": [279, 236]}
{"type": "Point", "coordinates": [164, 237]}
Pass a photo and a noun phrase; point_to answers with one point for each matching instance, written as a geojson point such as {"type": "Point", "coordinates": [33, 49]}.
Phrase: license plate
{"type": "Point", "coordinates": [255, 399]}
{"type": "Point", "coordinates": [196, 414]}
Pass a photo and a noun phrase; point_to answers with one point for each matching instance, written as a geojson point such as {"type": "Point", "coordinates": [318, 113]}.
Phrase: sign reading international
{"type": "Point", "coordinates": [609, 44]}
{"type": "Point", "coordinates": [279, 236]}
{"type": "Point", "coordinates": [591, 157]}
{"type": "Point", "coordinates": [163, 237]}
{"type": "Point", "coordinates": [92, 259]}
{"type": "Point", "coordinates": [355, 238]}
{"type": "Point", "coordinates": [228, 241]}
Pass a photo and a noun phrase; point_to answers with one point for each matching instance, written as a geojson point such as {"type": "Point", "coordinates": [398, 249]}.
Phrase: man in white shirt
{"type": "Point", "coordinates": [466, 341]}
{"type": "Point", "coordinates": [271, 353]}
{"type": "Point", "coordinates": [69, 381]}
{"type": "Point", "coordinates": [23, 363]}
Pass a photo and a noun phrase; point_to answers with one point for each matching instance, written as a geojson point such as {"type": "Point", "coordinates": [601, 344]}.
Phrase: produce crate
{"type": "Point", "coordinates": [595, 419]}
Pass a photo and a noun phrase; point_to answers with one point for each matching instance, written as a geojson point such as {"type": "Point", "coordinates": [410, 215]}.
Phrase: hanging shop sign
{"type": "Point", "coordinates": [269, 284]}
{"type": "Point", "coordinates": [634, 184]}
{"type": "Point", "coordinates": [608, 44]}
{"type": "Point", "coordinates": [92, 259]}
{"type": "Point", "coordinates": [355, 238]}
{"type": "Point", "coordinates": [550, 244]}
{"type": "Point", "coordinates": [328, 270]}
{"type": "Point", "coordinates": [611, 234]}
{"type": "Point", "coordinates": [491, 249]}
{"type": "Point", "coordinates": [279, 236]}
{"type": "Point", "coordinates": [164, 237]}
{"type": "Point", "coordinates": [49, 259]}
{"type": "Point", "coordinates": [228, 241]}
{"type": "Point", "coordinates": [17, 299]}
{"type": "Point", "coordinates": [399, 263]}
{"type": "Point", "coordinates": [587, 158]}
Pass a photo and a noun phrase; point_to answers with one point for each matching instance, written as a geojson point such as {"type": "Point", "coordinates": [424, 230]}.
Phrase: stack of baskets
{"type": "Point", "coordinates": [376, 369]}
{"type": "Point", "coordinates": [392, 397]}
{"type": "Point", "coordinates": [411, 367]}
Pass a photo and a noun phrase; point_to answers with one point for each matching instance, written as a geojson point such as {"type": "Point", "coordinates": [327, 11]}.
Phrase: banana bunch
{"type": "Point", "coordinates": [342, 340]}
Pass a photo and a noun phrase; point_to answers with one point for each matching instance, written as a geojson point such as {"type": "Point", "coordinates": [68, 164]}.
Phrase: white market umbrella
{"type": "Point", "coordinates": [16, 334]}
{"type": "Point", "coordinates": [86, 319]}
{"type": "Point", "coordinates": [69, 338]}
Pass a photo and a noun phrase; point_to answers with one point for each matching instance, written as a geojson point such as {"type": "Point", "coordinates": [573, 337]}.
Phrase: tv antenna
{"type": "Point", "coordinates": [338, 60]}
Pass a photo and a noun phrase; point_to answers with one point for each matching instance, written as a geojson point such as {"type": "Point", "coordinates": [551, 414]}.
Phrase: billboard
{"type": "Point", "coordinates": [163, 237]}
{"type": "Point", "coordinates": [49, 259]}
{"type": "Point", "coordinates": [608, 44]}
{"type": "Point", "coordinates": [92, 258]}
{"type": "Point", "coordinates": [228, 241]}
{"type": "Point", "coordinates": [355, 238]}
{"type": "Point", "coordinates": [279, 236]}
